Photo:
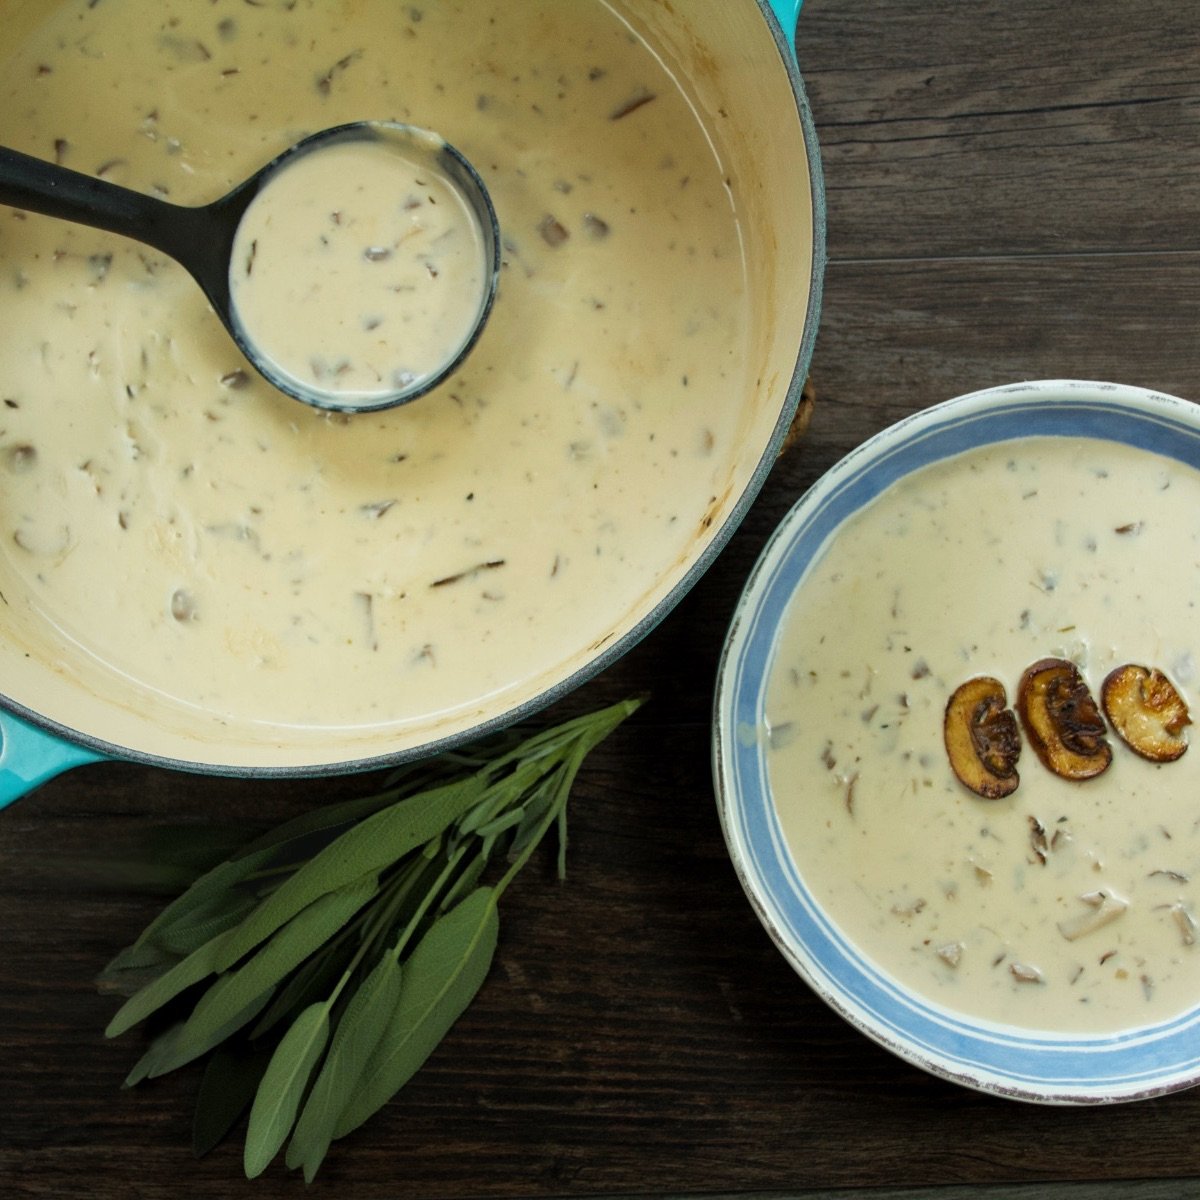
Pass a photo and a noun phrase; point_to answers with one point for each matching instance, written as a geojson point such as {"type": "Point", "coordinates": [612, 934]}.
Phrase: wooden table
{"type": "Point", "coordinates": [1013, 191]}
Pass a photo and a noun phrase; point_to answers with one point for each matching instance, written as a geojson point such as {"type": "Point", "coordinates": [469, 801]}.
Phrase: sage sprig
{"type": "Point", "coordinates": [318, 967]}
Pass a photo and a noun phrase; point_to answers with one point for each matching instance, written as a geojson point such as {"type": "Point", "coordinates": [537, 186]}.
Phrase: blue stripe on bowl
{"type": "Point", "coordinates": [1076, 1068]}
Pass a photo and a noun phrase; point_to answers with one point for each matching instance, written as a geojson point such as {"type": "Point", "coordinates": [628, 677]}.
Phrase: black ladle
{"type": "Point", "coordinates": [201, 238]}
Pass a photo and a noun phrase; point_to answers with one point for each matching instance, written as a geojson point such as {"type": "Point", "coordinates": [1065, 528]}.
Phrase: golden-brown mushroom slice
{"type": "Point", "coordinates": [1062, 720]}
{"type": "Point", "coordinates": [982, 738]}
{"type": "Point", "coordinates": [1147, 712]}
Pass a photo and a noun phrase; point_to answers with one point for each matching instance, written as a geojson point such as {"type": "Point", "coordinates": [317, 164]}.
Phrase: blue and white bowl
{"type": "Point", "coordinates": [1043, 1066]}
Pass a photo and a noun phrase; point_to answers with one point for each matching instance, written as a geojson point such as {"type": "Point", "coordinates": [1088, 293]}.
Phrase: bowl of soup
{"type": "Point", "coordinates": [198, 571]}
{"type": "Point", "coordinates": [951, 740]}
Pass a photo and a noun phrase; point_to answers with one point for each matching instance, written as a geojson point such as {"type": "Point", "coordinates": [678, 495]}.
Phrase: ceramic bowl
{"type": "Point", "coordinates": [1046, 1066]}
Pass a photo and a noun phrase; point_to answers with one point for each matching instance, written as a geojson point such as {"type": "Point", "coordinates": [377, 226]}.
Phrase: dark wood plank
{"type": "Point", "coordinates": [951, 128]}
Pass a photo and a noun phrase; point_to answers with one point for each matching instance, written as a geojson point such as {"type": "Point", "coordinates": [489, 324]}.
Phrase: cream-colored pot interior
{"type": "Point", "coordinates": [196, 568]}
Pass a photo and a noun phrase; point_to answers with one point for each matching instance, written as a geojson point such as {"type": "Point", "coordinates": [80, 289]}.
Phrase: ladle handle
{"type": "Point", "coordinates": [38, 186]}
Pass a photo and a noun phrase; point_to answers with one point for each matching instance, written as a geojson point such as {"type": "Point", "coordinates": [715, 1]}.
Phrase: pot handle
{"type": "Point", "coordinates": [30, 756]}
{"type": "Point", "coordinates": [788, 12]}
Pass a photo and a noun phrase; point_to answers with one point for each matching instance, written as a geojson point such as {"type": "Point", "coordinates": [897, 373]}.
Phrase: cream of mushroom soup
{"type": "Point", "coordinates": [1067, 904]}
{"type": "Point", "coordinates": [175, 518]}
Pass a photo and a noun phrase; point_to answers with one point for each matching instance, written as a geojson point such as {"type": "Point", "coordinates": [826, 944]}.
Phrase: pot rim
{"type": "Point", "coordinates": [103, 749]}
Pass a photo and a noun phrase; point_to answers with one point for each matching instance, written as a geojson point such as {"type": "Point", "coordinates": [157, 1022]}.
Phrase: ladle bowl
{"type": "Point", "coordinates": [202, 239]}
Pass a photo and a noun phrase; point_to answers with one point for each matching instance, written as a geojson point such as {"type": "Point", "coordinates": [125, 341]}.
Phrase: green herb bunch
{"type": "Point", "coordinates": [318, 967]}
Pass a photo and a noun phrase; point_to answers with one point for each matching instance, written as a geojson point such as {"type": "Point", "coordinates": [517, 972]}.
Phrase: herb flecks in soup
{"type": "Point", "coordinates": [359, 269]}
{"type": "Point", "coordinates": [236, 552]}
{"type": "Point", "coordinates": [1065, 903]}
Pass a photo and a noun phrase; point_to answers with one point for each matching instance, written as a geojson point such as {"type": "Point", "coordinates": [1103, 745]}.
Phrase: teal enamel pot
{"type": "Point", "coordinates": [65, 700]}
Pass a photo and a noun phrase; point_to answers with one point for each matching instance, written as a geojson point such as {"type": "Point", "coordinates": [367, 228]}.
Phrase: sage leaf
{"type": "Point", "coordinates": [192, 932]}
{"type": "Point", "coordinates": [190, 848]}
{"type": "Point", "coordinates": [441, 977]}
{"type": "Point", "coordinates": [311, 981]}
{"type": "Point", "coordinates": [230, 1000]}
{"type": "Point", "coordinates": [463, 884]}
{"type": "Point", "coordinates": [377, 842]}
{"type": "Point", "coordinates": [417, 897]}
{"type": "Point", "coordinates": [479, 813]}
{"type": "Point", "coordinates": [139, 958]}
{"type": "Point", "coordinates": [498, 825]}
{"type": "Point", "coordinates": [211, 887]}
{"type": "Point", "coordinates": [192, 1043]}
{"type": "Point", "coordinates": [231, 1077]}
{"type": "Point", "coordinates": [532, 812]}
{"type": "Point", "coordinates": [502, 794]}
{"type": "Point", "coordinates": [358, 1033]}
{"type": "Point", "coordinates": [282, 1087]}
{"type": "Point", "coordinates": [197, 966]}
{"type": "Point", "coordinates": [563, 839]}
{"type": "Point", "coordinates": [178, 1046]}
{"type": "Point", "coordinates": [154, 1053]}
{"type": "Point", "coordinates": [134, 968]}
{"type": "Point", "coordinates": [329, 817]}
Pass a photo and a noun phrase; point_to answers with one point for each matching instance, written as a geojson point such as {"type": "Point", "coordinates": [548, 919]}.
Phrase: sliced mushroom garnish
{"type": "Point", "coordinates": [982, 738]}
{"type": "Point", "coordinates": [1062, 720]}
{"type": "Point", "coordinates": [1103, 909]}
{"type": "Point", "coordinates": [1146, 711]}
{"type": "Point", "coordinates": [1023, 973]}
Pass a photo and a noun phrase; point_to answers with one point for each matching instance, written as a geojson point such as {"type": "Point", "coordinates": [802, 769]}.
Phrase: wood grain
{"type": "Point", "coordinates": [1012, 193]}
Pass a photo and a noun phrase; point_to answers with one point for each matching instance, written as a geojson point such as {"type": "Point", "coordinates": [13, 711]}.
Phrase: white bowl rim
{"type": "Point", "coordinates": [1050, 1067]}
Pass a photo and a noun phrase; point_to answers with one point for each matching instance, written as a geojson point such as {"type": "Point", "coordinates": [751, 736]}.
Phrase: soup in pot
{"type": "Point", "coordinates": [175, 530]}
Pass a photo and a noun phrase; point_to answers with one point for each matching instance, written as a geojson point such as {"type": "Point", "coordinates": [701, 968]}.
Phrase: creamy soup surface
{"type": "Point", "coordinates": [981, 565]}
{"type": "Point", "coordinates": [359, 269]}
{"type": "Point", "coordinates": [235, 551]}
